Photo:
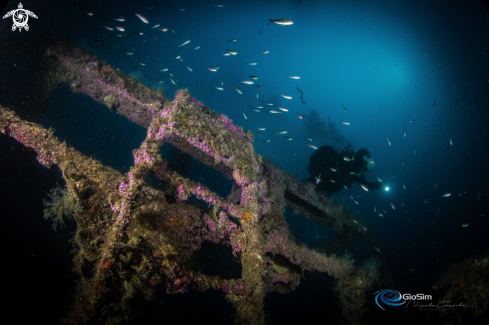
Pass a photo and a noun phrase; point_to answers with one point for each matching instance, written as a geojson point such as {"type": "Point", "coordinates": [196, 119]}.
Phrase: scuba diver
{"type": "Point", "coordinates": [331, 170]}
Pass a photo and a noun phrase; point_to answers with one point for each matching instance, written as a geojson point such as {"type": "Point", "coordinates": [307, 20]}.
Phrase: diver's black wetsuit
{"type": "Point", "coordinates": [347, 172]}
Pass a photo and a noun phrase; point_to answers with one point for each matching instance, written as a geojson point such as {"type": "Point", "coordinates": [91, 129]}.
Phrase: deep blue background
{"type": "Point", "coordinates": [385, 61]}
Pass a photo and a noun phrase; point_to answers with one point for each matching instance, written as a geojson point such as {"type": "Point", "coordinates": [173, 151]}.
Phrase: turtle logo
{"type": "Point", "coordinates": [20, 17]}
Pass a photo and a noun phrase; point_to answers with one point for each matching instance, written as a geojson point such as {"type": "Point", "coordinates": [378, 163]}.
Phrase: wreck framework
{"type": "Point", "coordinates": [131, 236]}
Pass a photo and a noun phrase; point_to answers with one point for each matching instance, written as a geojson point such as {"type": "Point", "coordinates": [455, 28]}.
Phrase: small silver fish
{"type": "Point", "coordinates": [120, 28]}
{"type": "Point", "coordinates": [283, 109]}
{"type": "Point", "coordinates": [288, 138]}
{"type": "Point", "coordinates": [155, 26]}
{"type": "Point", "coordinates": [144, 19]}
{"type": "Point", "coordinates": [184, 43]}
{"type": "Point", "coordinates": [388, 141]}
{"type": "Point", "coordinates": [281, 132]}
{"type": "Point", "coordinates": [261, 129]}
{"type": "Point", "coordinates": [299, 115]}
{"type": "Point", "coordinates": [247, 82]}
{"type": "Point", "coordinates": [219, 88]}
{"type": "Point", "coordinates": [312, 146]}
{"type": "Point", "coordinates": [109, 28]}
{"type": "Point", "coordinates": [345, 123]}
{"type": "Point", "coordinates": [239, 90]}
{"type": "Point", "coordinates": [281, 21]}
{"type": "Point", "coordinates": [245, 115]}
{"type": "Point", "coordinates": [232, 40]}
{"type": "Point", "coordinates": [265, 52]}
{"type": "Point", "coordinates": [286, 96]}
{"type": "Point", "coordinates": [189, 68]}
{"type": "Point", "coordinates": [232, 52]}
{"type": "Point", "coordinates": [252, 63]}
{"type": "Point", "coordinates": [213, 69]}
{"type": "Point", "coordinates": [273, 111]}
{"type": "Point", "coordinates": [446, 195]}
{"type": "Point", "coordinates": [253, 77]}
{"type": "Point", "coordinates": [345, 108]}
{"type": "Point", "coordinates": [293, 77]}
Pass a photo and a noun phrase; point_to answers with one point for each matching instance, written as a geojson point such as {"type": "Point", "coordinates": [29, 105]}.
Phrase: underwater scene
{"type": "Point", "coordinates": [245, 162]}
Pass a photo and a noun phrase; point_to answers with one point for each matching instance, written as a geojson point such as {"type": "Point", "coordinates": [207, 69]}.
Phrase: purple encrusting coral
{"type": "Point", "coordinates": [127, 225]}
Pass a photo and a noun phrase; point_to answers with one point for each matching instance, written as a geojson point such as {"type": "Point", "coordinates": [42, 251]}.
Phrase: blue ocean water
{"type": "Point", "coordinates": [419, 67]}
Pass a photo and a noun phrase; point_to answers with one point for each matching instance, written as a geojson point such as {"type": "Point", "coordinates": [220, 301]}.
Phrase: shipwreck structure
{"type": "Point", "coordinates": [132, 236]}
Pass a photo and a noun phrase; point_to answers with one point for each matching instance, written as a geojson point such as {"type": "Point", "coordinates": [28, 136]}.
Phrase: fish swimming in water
{"type": "Point", "coordinates": [144, 19]}
{"type": "Point", "coordinates": [281, 21]}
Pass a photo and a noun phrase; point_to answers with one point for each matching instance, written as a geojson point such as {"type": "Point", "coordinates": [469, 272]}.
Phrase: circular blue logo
{"type": "Point", "coordinates": [388, 297]}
